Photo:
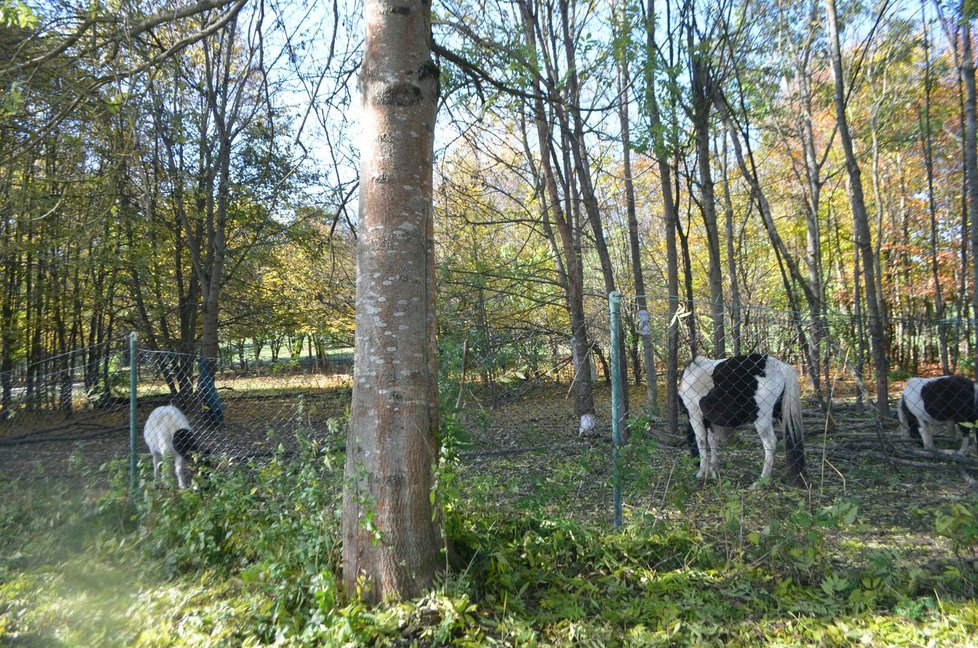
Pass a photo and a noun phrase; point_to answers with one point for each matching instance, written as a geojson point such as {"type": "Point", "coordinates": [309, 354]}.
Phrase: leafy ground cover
{"type": "Point", "coordinates": [873, 555]}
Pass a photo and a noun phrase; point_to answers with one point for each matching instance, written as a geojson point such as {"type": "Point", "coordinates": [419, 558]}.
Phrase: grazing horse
{"type": "Point", "coordinates": [721, 394]}
{"type": "Point", "coordinates": [944, 401]}
{"type": "Point", "coordinates": [167, 431]}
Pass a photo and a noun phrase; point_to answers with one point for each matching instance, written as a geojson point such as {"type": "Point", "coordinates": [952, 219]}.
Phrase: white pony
{"type": "Point", "coordinates": [721, 394]}
{"type": "Point", "coordinates": [167, 431]}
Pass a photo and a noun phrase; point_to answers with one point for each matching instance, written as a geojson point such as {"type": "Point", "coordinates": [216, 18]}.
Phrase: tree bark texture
{"type": "Point", "coordinates": [390, 538]}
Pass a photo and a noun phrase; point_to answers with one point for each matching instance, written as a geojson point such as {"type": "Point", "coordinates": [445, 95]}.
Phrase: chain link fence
{"type": "Point", "coordinates": [508, 399]}
{"type": "Point", "coordinates": [65, 405]}
{"type": "Point", "coordinates": [69, 414]}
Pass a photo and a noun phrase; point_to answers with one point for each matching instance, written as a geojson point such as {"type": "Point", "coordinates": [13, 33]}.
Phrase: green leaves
{"type": "Point", "coordinates": [959, 524]}
{"type": "Point", "coordinates": [17, 14]}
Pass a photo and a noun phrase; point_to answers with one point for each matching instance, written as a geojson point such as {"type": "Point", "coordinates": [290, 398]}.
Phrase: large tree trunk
{"type": "Point", "coordinates": [877, 329]}
{"type": "Point", "coordinates": [390, 538]}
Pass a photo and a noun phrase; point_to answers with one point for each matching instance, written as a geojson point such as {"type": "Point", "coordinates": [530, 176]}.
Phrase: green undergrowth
{"type": "Point", "coordinates": [250, 556]}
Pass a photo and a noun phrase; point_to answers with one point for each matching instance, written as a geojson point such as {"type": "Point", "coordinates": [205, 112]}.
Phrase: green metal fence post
{"type": "Point", "coordinates": [133, 374]}
{"type": "Point", "coordinates": [617, 393]}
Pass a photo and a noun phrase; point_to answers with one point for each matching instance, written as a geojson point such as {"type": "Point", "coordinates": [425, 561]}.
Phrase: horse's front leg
{"type": "Point", "coordinates": [926, 436]}
{"type": "Point", "coordinates": [769, 440]}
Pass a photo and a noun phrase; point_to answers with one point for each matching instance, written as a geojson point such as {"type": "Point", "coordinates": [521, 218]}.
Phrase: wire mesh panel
{"type": "Point", "coordinates": [63, 405]}
{"type": "Point", "coordinates": [70, 414]}
{"type": "Point", "coordinates": [239, 415]}
{"type": "Point", "coordinates": [510, 388]}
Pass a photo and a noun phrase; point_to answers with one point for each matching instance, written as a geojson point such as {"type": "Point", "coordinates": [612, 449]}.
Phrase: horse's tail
{"type": "Point", "coordinates": [794, 433]}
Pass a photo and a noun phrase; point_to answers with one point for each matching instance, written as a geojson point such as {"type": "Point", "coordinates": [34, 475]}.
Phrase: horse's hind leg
{"type": "Point", "coordinates": [769, 440]}
{"type": "Point", "coordinates": [965, 439]}
{"type": "Point", "coordinates": [699, 429]}
{"type": "Point", "coordinates": [926, 435]}
{"type": "Point", "coordinates": [716, 441]}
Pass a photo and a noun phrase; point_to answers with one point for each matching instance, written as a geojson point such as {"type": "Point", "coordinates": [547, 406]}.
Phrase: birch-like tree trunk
{"type": "Point", "coordinates": [390, 538]}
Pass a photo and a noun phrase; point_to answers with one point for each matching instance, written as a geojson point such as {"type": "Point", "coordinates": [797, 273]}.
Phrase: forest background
{"type": "Point", "coordinates": [189, 172]}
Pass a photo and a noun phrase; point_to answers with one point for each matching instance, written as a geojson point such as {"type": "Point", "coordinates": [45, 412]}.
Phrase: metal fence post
{"type": "Point", "coordinates": [617, 393]}
{"type": "Point", "coordinates": [133, 374]}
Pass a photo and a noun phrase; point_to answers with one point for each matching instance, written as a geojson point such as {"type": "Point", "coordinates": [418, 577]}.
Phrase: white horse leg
{"type": "Point", "coordinates": [716, 440]}
{"type": "Point", "coordinates": [965, 438]}
{"type": "Point", "coordinates": [180, 467]}
{"type": "Point", "coordinates": [769, 440]}
{"type": "Point", "coordinates": [157, 462]}
{"type": "Point", "coordinates": [701, 436]}
{"type": "Point", "coordinates": [926, 435]}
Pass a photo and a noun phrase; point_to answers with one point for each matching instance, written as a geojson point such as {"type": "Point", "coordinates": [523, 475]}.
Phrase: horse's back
{"type": "Point", "coordinates": [732, 401]}
{"type": "Point", "coordinates": [161, 425]}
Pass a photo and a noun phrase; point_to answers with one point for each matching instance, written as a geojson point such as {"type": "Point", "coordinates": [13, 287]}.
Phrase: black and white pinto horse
{"type": "Point", "coordinates": [722, 394]}
{"type": "Point", "coordinates": [167, 432]}
{"type": "Point", "coordinates": [929, 403]}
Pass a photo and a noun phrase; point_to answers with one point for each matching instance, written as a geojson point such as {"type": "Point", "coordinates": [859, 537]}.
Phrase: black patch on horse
{"type": "Point", "coordinates": [185, 443]}
{"type": "Point", "coordinates": [951, 398]}
{"type": "Point", "coordinates": [731, 402]}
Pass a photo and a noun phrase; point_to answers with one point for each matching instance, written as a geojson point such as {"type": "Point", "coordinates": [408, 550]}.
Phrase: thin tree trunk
{"type": "Point", "coordinates": [574, 130]}
{"type": "Point", "coordinates": [861, 222]}
{"type": "Point", "coordinates": [702, 100]}
{"type": "Point", "coordinates": [670, 220]}
{"type": "Point", "coordinates": [651, 392]}
{"type": "Point", "coordinates": [583, 388]}
{"type": "Point", "coordinates": [731, 255]}
{"type": "Point", "coordinates": [927, 140]}
{"type": "Point", "coordinates": [971, 160]}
